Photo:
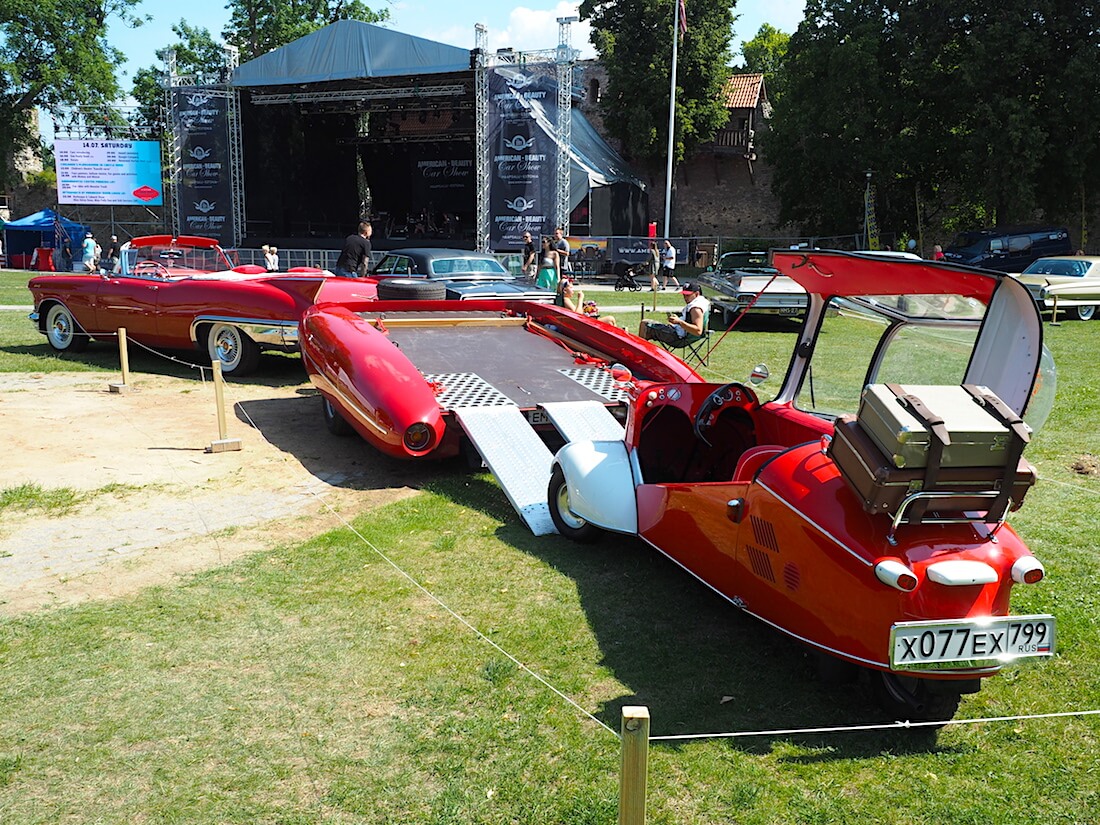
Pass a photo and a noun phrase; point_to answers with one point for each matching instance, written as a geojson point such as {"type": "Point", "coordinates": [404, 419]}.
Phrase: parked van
{"type": "Point", "coordinates": [1008, 249]}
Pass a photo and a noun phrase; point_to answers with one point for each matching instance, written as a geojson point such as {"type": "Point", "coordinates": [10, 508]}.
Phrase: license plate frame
{"type": "Point", "coordinates": [964, 644]}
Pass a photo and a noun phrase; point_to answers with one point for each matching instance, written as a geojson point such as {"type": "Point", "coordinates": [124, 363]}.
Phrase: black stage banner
{"type": "Point", "coordinates": [523, 116]}
{"type": "Point", "coordinates": [444, 178]}
{"type": "Point", "coordinates": [206, 189]}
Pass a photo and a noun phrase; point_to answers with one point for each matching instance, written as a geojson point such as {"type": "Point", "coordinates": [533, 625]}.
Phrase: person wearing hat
{"type": "Point", "coordinates": [109, 264]}
{"type": "Point", "coordinates": [87, 252]}
{"type": "Point", "coordinates": [684, 328]}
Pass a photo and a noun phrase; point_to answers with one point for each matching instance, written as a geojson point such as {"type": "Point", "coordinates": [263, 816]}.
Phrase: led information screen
{"type": "Point", "coordinates": [109, 172]}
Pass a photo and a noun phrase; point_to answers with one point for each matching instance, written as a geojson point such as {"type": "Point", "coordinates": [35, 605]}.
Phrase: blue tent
{"type": "Point", "coordinates": [45, 228]}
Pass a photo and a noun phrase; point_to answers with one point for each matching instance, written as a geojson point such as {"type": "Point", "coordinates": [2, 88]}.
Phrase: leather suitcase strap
{"type": "Point", "coordinates": [1019, 439]}
{"type": "Point", "coordinates": [939, 437]}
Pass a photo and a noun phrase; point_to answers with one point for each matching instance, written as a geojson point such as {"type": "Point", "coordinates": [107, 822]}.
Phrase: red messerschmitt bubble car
{"type": "Point", "coordinates": [862, 510]}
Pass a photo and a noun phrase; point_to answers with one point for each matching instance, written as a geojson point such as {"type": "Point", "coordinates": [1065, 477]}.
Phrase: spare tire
{"type": "Point", "coordinates": [410, 289]}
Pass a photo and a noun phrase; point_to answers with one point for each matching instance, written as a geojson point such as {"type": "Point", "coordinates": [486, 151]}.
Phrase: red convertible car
{"type": "Point", "coordinates": [182, 293]}
{"type": "Point", "coordinates": [882, 547]}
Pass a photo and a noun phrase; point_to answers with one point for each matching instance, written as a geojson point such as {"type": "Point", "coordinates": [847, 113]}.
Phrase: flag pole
{"type": "Point", "coordinates": [676, 24]}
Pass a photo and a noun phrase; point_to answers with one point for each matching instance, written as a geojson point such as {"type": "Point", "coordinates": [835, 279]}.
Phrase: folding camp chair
{"type": "Point", "coordinates": [697, 349]}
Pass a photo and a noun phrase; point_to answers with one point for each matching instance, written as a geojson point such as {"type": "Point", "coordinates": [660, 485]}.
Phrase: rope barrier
{"type": "Point", "coordinates": [882, 726]}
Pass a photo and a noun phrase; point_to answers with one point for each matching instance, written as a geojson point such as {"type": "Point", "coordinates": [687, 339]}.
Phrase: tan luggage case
{"type": "Point", "coordinates": [882, 487]}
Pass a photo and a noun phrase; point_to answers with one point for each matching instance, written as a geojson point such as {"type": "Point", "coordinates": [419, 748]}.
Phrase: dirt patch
{"type": "Point", "coordinates": [1086, 465]}
{"type": "Point", "coordinates": [179, 508]}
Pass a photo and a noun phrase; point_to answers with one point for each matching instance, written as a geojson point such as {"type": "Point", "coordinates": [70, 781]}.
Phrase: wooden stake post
{"type": "Point", "coordinates": [124, 359]}
{"type": "Point", "coordinates": [223, 444]}
{"type": "Point", "coordinates": [632, 775]}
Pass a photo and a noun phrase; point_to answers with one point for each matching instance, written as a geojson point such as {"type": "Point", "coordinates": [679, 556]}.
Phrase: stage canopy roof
{"type": "Point", "coordinates": [349, 50]}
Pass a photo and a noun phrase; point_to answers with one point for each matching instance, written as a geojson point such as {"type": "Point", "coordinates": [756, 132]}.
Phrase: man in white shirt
{"type": "Point", "coordinates": [685, 328]}
{"type": "Point", "coordinates": [668, 265]}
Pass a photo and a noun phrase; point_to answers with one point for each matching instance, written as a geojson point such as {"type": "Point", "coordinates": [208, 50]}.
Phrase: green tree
{"type": "Point", "coordinates": [764, 54]}
{"type": "Point", "coordinates": [258, 26]}
{"type": "Point", "coordinates": [53, 53]}
{"type": "Point", "coordinates": [922, 93]}
{"type": "Point", "coordinates": [633, 39]}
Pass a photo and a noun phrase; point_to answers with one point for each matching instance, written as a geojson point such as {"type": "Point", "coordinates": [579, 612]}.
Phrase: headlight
{"type": "Point", "coordinates": [418, 437]}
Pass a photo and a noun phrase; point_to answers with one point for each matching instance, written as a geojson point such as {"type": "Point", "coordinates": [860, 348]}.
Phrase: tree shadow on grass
{"type": "Point", "coordinates": [699, 665]}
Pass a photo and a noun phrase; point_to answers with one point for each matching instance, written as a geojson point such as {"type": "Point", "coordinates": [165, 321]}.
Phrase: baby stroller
{"type": "Point", "coordinates": [626, 276]}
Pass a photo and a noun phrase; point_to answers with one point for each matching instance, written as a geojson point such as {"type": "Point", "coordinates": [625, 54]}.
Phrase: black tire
{"type": "Point", "coordinates": [239, 355]}
{"type": "Point", "coordinates": [410, 289]}
{"type": "Point", "coordinates": [334, 422]}
{"type": "Point", "coordinates": [1083, 313]}
{"type": "Point", "coordinates": [619, 287]}
{"type": "Point", "coordinates": [63, 332]}
{"type": "Point", "coordinates": [569, 525]}
{"type": "Point", "coordinates": [907, 698]}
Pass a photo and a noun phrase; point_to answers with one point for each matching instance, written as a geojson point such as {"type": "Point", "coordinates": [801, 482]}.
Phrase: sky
{"type": "Point", "coordinates": [523, 27]}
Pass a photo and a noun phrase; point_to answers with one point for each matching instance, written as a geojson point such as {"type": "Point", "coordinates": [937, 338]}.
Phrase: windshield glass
{"type": "Point", "coordinates": [911, 339]}
{"type": "Point", "coordinates": [450, 267]}
{"type": "Point", "coordinates": [177, 260]}
{"type": "Point", "coordinates": [965, 239]}
{"type": "Point", "coordinates": [1058, 266]}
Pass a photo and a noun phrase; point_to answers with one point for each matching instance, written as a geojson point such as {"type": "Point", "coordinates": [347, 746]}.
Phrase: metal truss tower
{"type": "Point", "coordinates": [564, 58]}
{"type": "Point", "coordinates": [236, 153]}
{"type": "Point", "coordinates": [232, 97]}
{"type": "Point", "coordinates": [481, 132]}
{"type": "Point", "coordinates": [175, 151]}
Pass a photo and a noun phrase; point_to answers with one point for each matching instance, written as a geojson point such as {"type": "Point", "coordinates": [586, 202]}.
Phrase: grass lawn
{"type": "Point", "coordinates": [332, 681]}
{"type": "Point", "coordinates": [13, 287]}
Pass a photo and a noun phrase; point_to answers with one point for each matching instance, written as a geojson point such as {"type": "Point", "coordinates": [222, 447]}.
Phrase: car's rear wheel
{"type": "Point", "coordinates": [238, 354]}
{"type": "Point", "coordinates": [63, 332]}
{"type": "Point", "coordinates": [410, 289]}
{"type": "Point", "coordinates": [569, 524]}
{"type": "Point", "coordinates": [1083, 313]}
{"type": "Point", "coordinates": [908, 698]}
{"type": "Point", "coordinates": [334, 422]}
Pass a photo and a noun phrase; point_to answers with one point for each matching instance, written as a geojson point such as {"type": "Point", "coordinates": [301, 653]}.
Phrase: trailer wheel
{"type": "Point", "coordinates": [569, 525]}
{"type": "Point", "coordinates": [410, 289]}
{"type": "Point", "coordinates": [334, 422]}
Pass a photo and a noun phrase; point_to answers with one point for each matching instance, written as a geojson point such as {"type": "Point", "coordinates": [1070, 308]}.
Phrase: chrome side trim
{"type": "Point", "coordinates": [267, 333]}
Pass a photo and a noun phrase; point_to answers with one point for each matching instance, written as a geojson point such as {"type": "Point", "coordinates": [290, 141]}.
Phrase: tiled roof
{"type": "Point", "coordinates": [742, 91]}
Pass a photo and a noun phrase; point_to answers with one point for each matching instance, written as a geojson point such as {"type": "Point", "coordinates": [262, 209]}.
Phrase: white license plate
{"type": "Point", "coordinates": [537, 417]}
{"type": "Point", "coordinates": [970, 643]}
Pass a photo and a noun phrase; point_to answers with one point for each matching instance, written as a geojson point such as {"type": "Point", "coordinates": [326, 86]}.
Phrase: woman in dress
{"type": "Point", "coordinates": [549, 273]}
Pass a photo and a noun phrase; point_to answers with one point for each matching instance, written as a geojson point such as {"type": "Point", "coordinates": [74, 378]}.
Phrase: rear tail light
{"type": "Point", "coordinates": [894, 573]}
{"type": "Point", "coordinates": [418, 437]}
{"type": "Point", "coordinates": [1028, 570]}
